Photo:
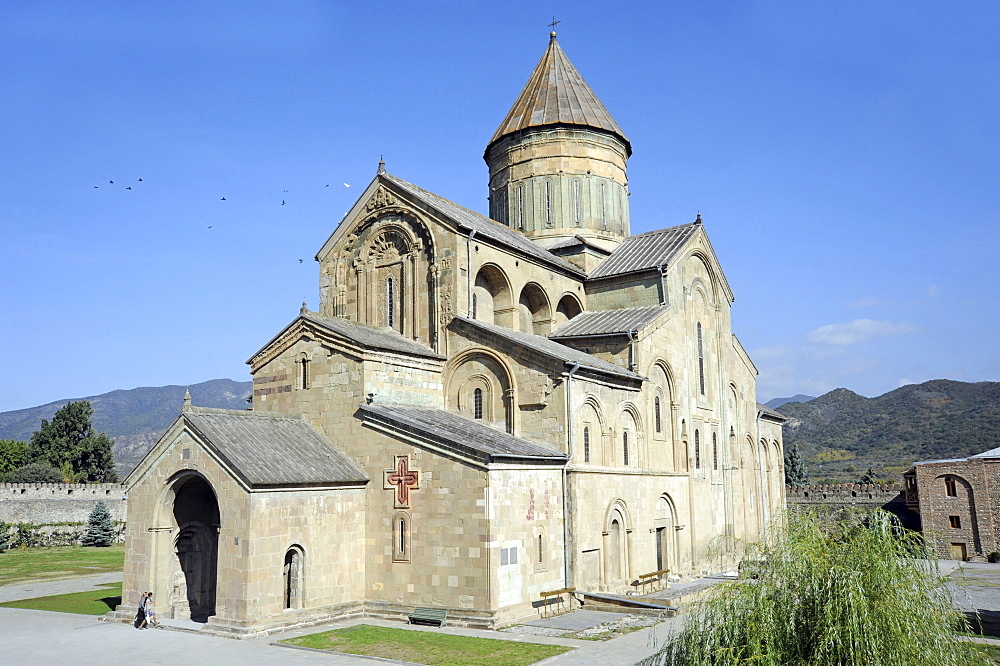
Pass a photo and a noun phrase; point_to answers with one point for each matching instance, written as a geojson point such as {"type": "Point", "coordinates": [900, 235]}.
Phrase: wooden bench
{"type": "Point", "coordinates": [429, 616]}
{"type": "Point", "coordinates": [652, 577]}
{"type": "Point", "coordinates": [559, 600]}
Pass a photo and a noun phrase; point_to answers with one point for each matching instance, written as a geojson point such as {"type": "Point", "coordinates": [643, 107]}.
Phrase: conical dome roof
{"type": "Point", "coordinates": [556, 94]}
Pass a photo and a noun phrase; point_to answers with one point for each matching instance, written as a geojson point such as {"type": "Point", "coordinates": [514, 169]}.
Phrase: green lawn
{"type": "Point", "coordinates": [40, 564]}
{"type": "Point", "coordinates": [425, 647]}
{"type": "Point", "coordinates": [95, 602]}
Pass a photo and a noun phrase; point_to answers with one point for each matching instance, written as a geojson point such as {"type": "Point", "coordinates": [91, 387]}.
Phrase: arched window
{"type": "Point", "coordinates": [401, 537]}
{"type": "Point", "coordinates": [604, 207]}
{"type": "Point", "coordinates": [305, 373]}
{"type": "Point", "coordinates": [520, 206]}
{"type": "Point", "coordinates": [621, 213]}
{"type": "Point", "coordinates": [715, 452]}
{"type": "Point", "coordinates": [477, 403]}
{"type": "Point", "coordinates": [548, 203]}
{"type": "Point", "coordinates": [697, 450]}
{"type": "Point", "coordinates": [292, 575]}
{"type": "Point", "coordinates": [475, 304]}
{"type": "Point", "coordinates": [576, 201]}
{"type": "Point", "coordinates": [541, 552]}
{"type": "Point", "coordinates": [586, 444]}
{"type": "Point", "coordinates": [625, 447]}
{"type": "Point", "coordinates": [656, 413]}
{"type": "Point", "coordinates": [701, 362]}
{"type": "Point", "coordinates": [390, 297]}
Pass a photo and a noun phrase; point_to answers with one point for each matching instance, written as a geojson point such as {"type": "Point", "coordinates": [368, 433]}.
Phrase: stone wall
{"type": "Point", "coordinates": [841, 496]}
{"type": "Point", "coordinates": [48, 503]}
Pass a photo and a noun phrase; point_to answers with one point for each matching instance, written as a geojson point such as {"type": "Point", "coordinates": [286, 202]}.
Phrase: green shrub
{"type": "Point", "coordinates": [36, 472]}
{"type": "Point", "coordinates": [858, 590]}
{"type": "Point", "coordinates": [993, 557]}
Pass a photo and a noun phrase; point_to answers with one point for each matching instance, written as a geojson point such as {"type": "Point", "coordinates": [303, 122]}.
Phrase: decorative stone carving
{"type": "Point", "coordinates": [380, 199]}
{"type": "Point", "coordinates": [402, 479]}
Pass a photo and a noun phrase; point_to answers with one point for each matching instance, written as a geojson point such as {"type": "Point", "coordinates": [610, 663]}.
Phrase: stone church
{"type": "Point", "coordinates": [481, 409]}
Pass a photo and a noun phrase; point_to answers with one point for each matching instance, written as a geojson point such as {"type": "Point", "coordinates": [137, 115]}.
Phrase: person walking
{"type": "Point", "coordinates": [150, 611]}
{"type": "Point", "coordinates": [140, 614]}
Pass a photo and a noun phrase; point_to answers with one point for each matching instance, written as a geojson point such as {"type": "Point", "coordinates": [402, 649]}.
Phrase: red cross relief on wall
{"type": "Point", "coordinates": [403, 480]}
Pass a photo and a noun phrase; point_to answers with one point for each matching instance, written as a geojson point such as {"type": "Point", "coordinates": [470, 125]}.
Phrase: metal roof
{"type": "Point", "coordinates": [556, 94]}
{"type": "Point", "coordinates": [607, 322]}
{"type": "Point", "coordinates": [645, 251]}
{"type": "Point", "coordinates": [550, 348]}
{"type": "Point", "coordinates": [271, 450]}
{"type": "Point", "coordinates": [484, 226]}
{"type": "Point", "coordinates": [767, 411]}
{"type": "Point", "coordinates": [370, 337]}
{"type": "Point", "coordinates": [462, 435]}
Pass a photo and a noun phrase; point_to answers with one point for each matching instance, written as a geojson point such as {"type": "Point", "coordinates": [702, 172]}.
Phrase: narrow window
{"type": "Point", "coordinates": [548, 203]}
{"type": "Point", "coordinates": [604, 207]}
{"type": "Point", "coordinates": [401, 526]}
{"type": "Point", "coordinates": [475, 300]}
{"type": "Point", "coordinates": [477, 403]}
{"type": "Point", "coordinates": [305, 373]}
{"type": "Point", "coordinates": [401, 537]}
{"type": "Point", "coordinates": [715, 452]}
{"type": "Point", "coordinates": [576, 201]}
{"type": "Point", "coordinates": [697, 450]}
{"type": "Point", "coordinates": [586, 444]}
{"type": "Point", "coordinates": [955, 522]}
{"type": "Point", "coordinates": [540, 554]}
{"type": "Point", "coordinates": [656, 413]}
{"type": "Point", "coordinates": [390, 298]}
{"type": "Point", "coordinates": [520, 206]}
{"type": "Point", "coordinates": [621, 213]}
{"type": "Point", "coordinates": [701, 362]}
{"type": "Point", "coordinates": [950, 488]}
{"type": "Point", "coordinates": [625, 447]}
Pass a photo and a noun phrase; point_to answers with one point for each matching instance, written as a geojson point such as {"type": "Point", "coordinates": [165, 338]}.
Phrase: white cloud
{"type": "Point", "coordinates": [859, 330]}
{"type": "Point", "coordinates": [865, 303]}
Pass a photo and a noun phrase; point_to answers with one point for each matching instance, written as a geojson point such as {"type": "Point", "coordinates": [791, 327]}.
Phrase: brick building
{"type": "Point", "coordinates": [481, 408]}
{"type": "Point", "coordinates": [959, 503]}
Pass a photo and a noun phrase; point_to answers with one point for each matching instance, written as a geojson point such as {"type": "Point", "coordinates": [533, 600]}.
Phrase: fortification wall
{"type": "Point", "coordinates": [890, 498]}
{"type": "Point", "coordinates": [48, 503]}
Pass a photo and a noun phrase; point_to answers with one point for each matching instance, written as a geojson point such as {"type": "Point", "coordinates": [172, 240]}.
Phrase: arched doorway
{"type": "Point", "coordinates": [292, 577]}
{"type": "Point", "coordinates": [666, 533]}
{"type": "Point", "coordinates": [196, 512]}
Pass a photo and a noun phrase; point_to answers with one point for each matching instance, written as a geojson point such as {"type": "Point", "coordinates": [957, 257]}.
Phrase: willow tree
{"type": "Point", "coordinates": [828, 592]}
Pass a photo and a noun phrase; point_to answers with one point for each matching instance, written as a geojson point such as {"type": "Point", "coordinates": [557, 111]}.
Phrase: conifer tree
{"type": "Point", "coordinates": [796, 473]}
{"type": "Point", "coordinates": [100, 530]}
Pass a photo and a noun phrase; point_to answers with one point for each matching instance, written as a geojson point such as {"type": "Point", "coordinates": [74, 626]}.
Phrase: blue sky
{"type": "Point", "coordinates": [844, 156]}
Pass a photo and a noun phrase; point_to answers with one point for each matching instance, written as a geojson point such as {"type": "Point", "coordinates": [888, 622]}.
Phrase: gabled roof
{"type": "Point", "coordinates": [362, 335]}
{"type": "Point", "coordinates": [576, 241]}
{"type": "Point", "coordinates": [608, 322]}
{"type": "Point", "coordinates": [645, 251]}
{"type": "Point", "coordinates": [549, 348]}
{"type": "Point", "coordinates": [268, 450]}
{"type": "Point", "coordinates": [464, 436]}
{"type": "Point", "coordinates": [770, 413]}
{"type": "Point", "coordinates": [483, 226]}
{"type": "Point", "coordinates": [992, 453]}
{"type": "Point", "coordinates": [556, 94]}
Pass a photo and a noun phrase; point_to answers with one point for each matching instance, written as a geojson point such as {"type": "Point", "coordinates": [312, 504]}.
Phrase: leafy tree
{"type": "Point", "coordinates": [36, 472]}
{"type": "Point", "coordinates": [70, 438]}
{"type": "Point", "coordinates": [100, 530]}
{"type": "Point", "coordinates": [796, 473]}
{"type": "Point", "coordinates": [853, 591]}
{"type": "Point", "coordinates": [13, 454]}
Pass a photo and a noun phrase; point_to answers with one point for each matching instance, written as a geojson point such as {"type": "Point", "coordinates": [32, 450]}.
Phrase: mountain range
{"type": "Point", "coordinates": [841, 434]}
{"type": "Point", "coordinates": [133, 418]}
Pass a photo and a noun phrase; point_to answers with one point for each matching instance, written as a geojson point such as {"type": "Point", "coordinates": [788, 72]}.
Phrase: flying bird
{"type": "Point", "coordinates": [96, 186]}
{"type": "Point", "coordinates": [140, 180]}
{"type": "Point", "coordinates": [284, 190]}
{"type": "Point", "coordinates": [129, 187]}
{"type": "Point", "coordinates": [112, 182]}
{"type": "Point", "coordinates": [346, 185]}
{"type": "Point", "coordinates": [223, 199]}
{"type": "Point", "coordinates": [328, 185]}
{"type": "Point", "coordinates": [300, 261]}
{"type": "Point", "coordinates": [210, 226]}
{"type": "Point", "coordinates": [282, 202]}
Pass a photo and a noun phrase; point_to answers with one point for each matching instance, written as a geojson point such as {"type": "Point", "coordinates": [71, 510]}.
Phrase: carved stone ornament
{"type": "Point", "coordinates": [380, 199]}
{"type": "Point", "coordinates": [402, 480]}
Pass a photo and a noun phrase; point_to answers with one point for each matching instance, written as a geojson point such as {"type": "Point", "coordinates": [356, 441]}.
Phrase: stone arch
{"type": "Point", "coordinates": [293, 577]}
{"type": "Point", "coordinates": [568, 307]}
{"type": "Point", "coordinates": [194, 508]}
{"type": "Point", "coordinates": [617, 538]}
{"type": "Point", "coordinates": [481, 369]}
{"type": "Point", "coordinates": [665, 524]}
{"type": "Point", "coordinates": [703, 263]}
{"type": "Point", "coordinates": [628, 430]}
{"type": "Point", "coordinates": [492, 296]}
{"type": "Point", "coordinates": [401, 536]}
{"type": "Point", "coordinates": [590, 416]}
{"type": "Point", "coordinates": [765, 481]}
{"type": "Point", "coordinates": [661, 414]}
{"type": "Point", "coordinates": [535, 312]}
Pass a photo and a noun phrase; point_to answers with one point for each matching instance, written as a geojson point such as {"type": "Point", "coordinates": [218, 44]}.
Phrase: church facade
{"type": "Point", "coordinates": [480, 409]}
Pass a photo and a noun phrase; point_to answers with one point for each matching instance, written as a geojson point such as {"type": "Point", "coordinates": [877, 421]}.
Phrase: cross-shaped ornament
{"type": "Point", "coordinates": [554, 23]}
{"type": "Point", "coordinates": [403, 480]}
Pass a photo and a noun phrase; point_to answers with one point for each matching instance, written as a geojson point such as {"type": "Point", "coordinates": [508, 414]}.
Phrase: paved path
{"type": "Point", "coordinates": [41, 637]}
{"type": "Point", "coordinates": [52, 587]}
